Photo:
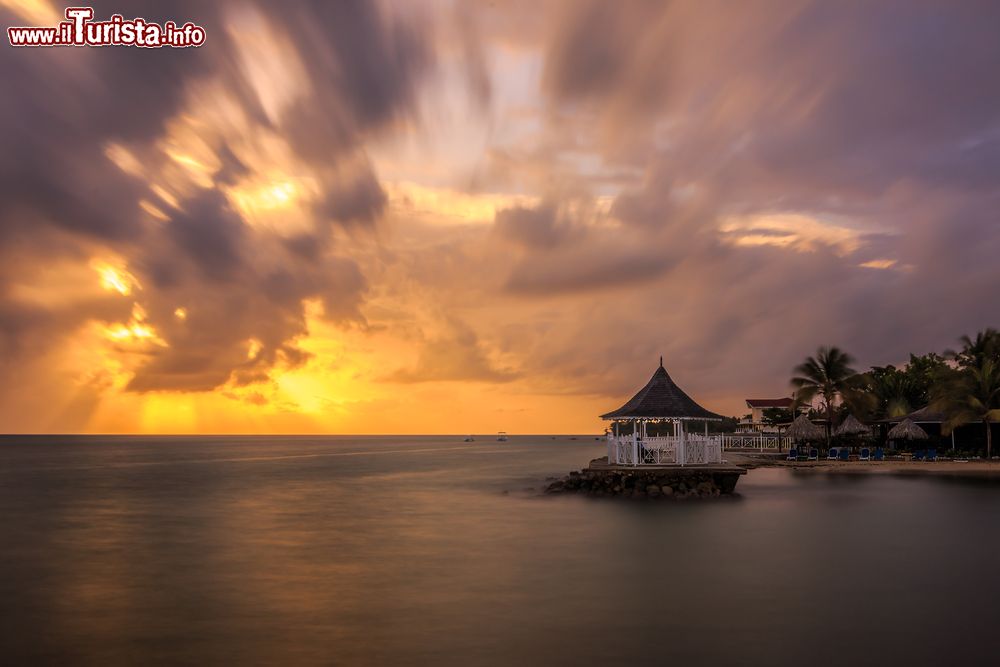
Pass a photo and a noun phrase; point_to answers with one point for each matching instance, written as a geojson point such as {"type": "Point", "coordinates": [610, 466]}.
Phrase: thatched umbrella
{"type": "Point", "coordinates": [803, 430]}
{"type": "Point", "coordinates": [851, 426]}
{"type": "Point", "coordinates": [907, 430]}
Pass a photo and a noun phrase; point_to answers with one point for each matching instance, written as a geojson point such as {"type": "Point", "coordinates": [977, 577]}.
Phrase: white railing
{"type": "Point", "coordinates": [758, 441]}
{"type": "Point", "coordinates": [664, 450]}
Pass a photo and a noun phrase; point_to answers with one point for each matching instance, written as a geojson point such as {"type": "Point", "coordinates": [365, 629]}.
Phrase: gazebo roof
{"type": "Point", "coordinates": [851, 426]}
{"type": "Point", "coordinates": [661, 399]}
{"type": "Point", "coordinates": [803, 430]}
{"type": "Point", "coordinates": [907, 430]}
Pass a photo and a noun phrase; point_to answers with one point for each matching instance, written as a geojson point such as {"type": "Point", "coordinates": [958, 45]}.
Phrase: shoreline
{"type": "Point", "coordinates": [973, 469]}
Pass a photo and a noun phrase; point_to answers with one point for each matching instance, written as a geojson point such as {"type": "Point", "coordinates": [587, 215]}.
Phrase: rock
{"type": "Point", "coordinates": [625, 483]}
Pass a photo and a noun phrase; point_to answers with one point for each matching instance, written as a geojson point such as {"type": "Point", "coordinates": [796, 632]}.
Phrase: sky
{"type": "Point", "coordinates": [465, 217]}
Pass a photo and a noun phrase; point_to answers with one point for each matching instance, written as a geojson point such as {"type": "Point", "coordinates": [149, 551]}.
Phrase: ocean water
{"type": "Point", "coordinates": [431, 551]}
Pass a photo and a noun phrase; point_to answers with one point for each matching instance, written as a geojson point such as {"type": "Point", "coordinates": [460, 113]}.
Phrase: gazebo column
{"type": "Point", "coordinates": [613, 444]}
{"type": "Point", "coordinates": [635, 442]}
{"type": "Point", "coordinates": [681, 444]}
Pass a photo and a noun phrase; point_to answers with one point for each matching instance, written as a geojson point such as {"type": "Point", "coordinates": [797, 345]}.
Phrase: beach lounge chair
{"type": "Point", "coordinates": [918, 455]}
{"type": "Point", "coordinates": [932, 455]}
{"type": "Point", "coordinates": [793, 454]}
{"type": "Point", "coordinates": [813, 454]}
{"type": "Point", "coordinates": [843, 454]}
{"type": "Point", "coordinates": [866, 454]}
{"type": "Point", "coordinates": [879, 454]}
{"type": "Point", "coordinates": [832, 454]}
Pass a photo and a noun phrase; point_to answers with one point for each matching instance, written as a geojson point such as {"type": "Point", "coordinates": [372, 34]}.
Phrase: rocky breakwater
{"type": "Point", "coordinates": [661, 482]}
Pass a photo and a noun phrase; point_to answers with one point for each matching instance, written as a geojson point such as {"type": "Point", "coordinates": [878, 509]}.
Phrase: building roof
{"type": "Point", "coordinates": [922, 416]}
{"type": "Point", "coordinates": [769, 402]}
{"type": "Point", "coordinates": [661, 399]}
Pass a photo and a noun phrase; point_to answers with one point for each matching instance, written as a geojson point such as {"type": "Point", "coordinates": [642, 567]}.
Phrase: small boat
{"type": "Point", "coordinates": [502, 436]}
{"type": "Point", "coordinates": [469, 438]}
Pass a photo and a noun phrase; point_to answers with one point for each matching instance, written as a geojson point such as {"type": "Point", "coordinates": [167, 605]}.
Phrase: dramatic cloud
{"type": "Point", "coordinates": [191, 168]}
{"type": "Point", "coordinates": [334, 208]}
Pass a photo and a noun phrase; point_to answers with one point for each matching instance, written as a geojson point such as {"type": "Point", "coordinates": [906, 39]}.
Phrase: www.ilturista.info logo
{"type": "Point", "coordinates": [79, 30]}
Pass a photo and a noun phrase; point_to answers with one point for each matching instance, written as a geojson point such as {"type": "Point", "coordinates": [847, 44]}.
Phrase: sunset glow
{"type": "Point", "coordinates": [116, 279]}
{"type": "Point", "coordinates": [426, 217]}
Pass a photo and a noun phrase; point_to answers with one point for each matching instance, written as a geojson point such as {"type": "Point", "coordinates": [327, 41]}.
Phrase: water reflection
{"type": "Point", "coordinates": [385, 551]}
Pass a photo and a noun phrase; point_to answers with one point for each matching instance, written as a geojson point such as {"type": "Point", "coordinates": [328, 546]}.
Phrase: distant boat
{"type": "Point", "coordinates": [502, 436]}
{"type": "Point", "coordinates": [469, 438]}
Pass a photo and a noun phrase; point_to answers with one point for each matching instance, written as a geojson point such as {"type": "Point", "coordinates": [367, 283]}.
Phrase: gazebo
{"type": "Point", "coordinates": [663, 404]}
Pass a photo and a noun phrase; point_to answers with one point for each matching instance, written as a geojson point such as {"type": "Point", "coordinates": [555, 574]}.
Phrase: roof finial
{"type": "Point", "coordinates": [661, 361]}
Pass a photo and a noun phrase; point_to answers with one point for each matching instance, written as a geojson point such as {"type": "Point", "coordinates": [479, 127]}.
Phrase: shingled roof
{"type": "Point", "coordinates": [922, 416]}
{"type": "Point", "coordinates": [769, 402]}
{"type": "Point", "coordinates": [661, 399]}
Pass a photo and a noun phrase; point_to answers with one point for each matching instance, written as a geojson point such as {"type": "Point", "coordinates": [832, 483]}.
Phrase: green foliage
{"type": "Point", "coordinates": [976, 351]}
{"type": "Point", "coordinates": [894, 392]}
{"type": "Point", "coordinates": [727, 425]}
{"type": "Point", "coordinates": [829, 377]}
{"type": "Point", "coordinates": [964, 385]}
{"type": "Point", "coordinates": [773, 416]}
{"type": "Point", "coordinates": [971, 393]}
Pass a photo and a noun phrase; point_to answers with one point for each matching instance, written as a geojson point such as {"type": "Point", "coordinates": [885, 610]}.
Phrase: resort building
{"type": "Point", "coordinates": [659, 426]}
{"type": "Point", "coordinates": [755, 423]}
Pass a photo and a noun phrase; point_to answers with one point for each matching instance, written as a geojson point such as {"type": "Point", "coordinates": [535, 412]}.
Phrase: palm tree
{"type": "Point", "coordinates": [969, 395]}
{"type": "Point", "coordinates": [986, 345]}
{"type": "Point", "coordinates": [828, 375]}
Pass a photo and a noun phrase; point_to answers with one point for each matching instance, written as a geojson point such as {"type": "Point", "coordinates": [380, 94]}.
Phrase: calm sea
{"type": "Point", "coordinates": [431, 551]}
